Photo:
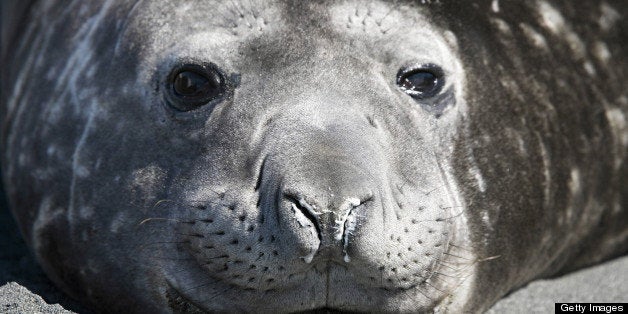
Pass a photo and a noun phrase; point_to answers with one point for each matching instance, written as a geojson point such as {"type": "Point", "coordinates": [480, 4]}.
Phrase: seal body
{"type": "Point", "coordinates": [290, 156]}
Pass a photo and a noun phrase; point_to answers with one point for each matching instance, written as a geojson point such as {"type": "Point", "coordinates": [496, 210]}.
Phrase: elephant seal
{"type": "Point", "coordinates": [285, 156]}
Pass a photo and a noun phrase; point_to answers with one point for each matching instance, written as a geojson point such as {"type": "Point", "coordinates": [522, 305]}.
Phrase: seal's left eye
{"type": "Point", "coordinates": [192, 86]}
{"type": "Point", "coordinates": [421, 82]}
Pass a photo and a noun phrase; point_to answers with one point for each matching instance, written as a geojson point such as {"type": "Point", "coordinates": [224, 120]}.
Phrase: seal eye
{"type": "Point", "coordinates": [193, 85]}
{"type": "Point", "coordinates": [421, 82]}
{"type": "Point", "coordinates": [190, 84]}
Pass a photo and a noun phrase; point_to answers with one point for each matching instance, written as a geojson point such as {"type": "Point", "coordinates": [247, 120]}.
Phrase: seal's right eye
{"type": "Point", "coordinates": [193, 85]}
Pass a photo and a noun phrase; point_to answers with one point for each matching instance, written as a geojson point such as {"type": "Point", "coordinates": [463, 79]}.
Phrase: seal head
{"type": "Point", "coordinates": [253, 156]}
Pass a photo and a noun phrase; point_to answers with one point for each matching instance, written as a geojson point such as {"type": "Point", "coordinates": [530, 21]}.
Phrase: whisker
{"type": "Point", "coordinates": [161, 258]}
{"type": "Point", "coordinates": [160, 242]}
{"type": "Point", "coordinates": [462, 248]}
{"type": "Point", "coordinates": [454, 216]}
{"type": "Point", "coordinates": [443, 274]}
{"type": "Point", "coordinates": [431, 285]}
{"type": "Point", "coordinates": [440, 262]}
{"type": "Point", "coordinates": [198, 286]}
{"type": "Point", "coordinates": [217, 257]}
{"type": "Point", "coordinates": [445, 282]}
{"type": "Point", "coordinates": [489, 258]}
{"type": "Point", "coordinates": [410, 293]}
{"type": "Point", "coordinates": [162, 201]}
{"type": "Point", "coordinates": [459, 256]}
{"type": "Point", "coordinates": [161, 219]}
{"type": "Point", "coordinates": [425, 295]}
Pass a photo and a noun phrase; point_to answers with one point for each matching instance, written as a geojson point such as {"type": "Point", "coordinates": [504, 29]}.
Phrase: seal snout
{"type": "Point", "coordinates": [318, 199]}
{"type": "Point", "coordinates": [317, 183]}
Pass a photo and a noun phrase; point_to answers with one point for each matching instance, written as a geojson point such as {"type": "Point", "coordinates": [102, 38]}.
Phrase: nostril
{"type": "Point", "coordinates": [309, 211]}
{"type": "Point", "coordinates": [347, 223]}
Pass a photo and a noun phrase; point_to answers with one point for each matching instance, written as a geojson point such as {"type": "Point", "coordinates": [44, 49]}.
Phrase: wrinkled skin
{"type": "Point", "coordinates": [315, 181]}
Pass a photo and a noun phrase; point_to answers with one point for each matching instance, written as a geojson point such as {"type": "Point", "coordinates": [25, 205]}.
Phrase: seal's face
{"type": "Point", "coordinates": [247, 156]}
{"type": "Point", "coordinates": [310, 157]}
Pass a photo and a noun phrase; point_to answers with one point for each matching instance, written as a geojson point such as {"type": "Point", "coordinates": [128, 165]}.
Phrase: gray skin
{"type": "Point", "coordinates": [315, 181]}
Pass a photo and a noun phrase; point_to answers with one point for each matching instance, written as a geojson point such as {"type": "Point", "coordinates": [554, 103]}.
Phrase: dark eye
{"type": "Point", "coordinates": [194, 85]}
{"type": "Point", "coordinates": [422, 81]}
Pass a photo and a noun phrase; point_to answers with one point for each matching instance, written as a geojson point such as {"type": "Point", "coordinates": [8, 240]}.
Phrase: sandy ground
{"type": "Point", "coordinates": [25, 289]}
